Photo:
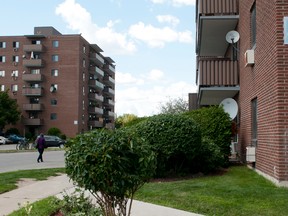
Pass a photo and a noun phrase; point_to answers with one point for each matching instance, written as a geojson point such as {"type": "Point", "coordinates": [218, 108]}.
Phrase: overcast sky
{"type": "Point", "coordinates": [151, 41]}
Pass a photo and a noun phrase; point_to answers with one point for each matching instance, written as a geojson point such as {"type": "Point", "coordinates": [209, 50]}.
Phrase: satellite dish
{"type": "Point", "coordinates": [52, 89]}
{"type": "Point", "coordinates": [232, 36]}
{"type": "Point", "coordinates": [230, 106]}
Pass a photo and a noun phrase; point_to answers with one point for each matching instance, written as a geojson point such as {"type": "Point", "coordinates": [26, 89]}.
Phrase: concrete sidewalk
{"type": "Point", "coordinates": [38, 190]}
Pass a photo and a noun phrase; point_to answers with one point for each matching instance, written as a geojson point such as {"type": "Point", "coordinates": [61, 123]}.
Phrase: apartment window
{"type": "Point", "coordinates": [83, 76]}
{"type": "Point", "coordinates": [55, 43]}
{"type": "Point", "coordinates": [2, 88]}
{"type": "Point", "coordinates": [53, 87]}
{"type": "Point", "coordinates": [14, 88]}
{"type": "Point", "coordinates": [16, 44]}
{"type": "Point", "coordinates": [254, 121]}
{"type": "Point", "coordinates": [14, 73]}
{"type": "Point", "coordinates": [55, 58]}
{"type": "Point", "coordinates": [2, 73]}
{"type": "Point", "coordinates": [36, 42]}
{"type": "Point", "coordinates": [84, 63]}
{"type": "Point", "coordinates": [253, 25]}
{"type": "Point", "coordinates": [53, 116]}
{"type": "Point", "coordinates": [54, 72]}
{"type": "Point", "coordinates": [53, 102]}
{"type": "Point", "coordinates": [285, 23]}
{"type": "Point", "coordinates": [15, 58]}
{"type": "Point", "coordinates": [35, 71]}
{"type": "Point", "coordinates": [84, 49]}
{"type": "Point", "coordinates": [2, 44]}
{"type": "Point", "coordinates": [83, 90]}
{"type": "Point", "coordinates": [2, 59]}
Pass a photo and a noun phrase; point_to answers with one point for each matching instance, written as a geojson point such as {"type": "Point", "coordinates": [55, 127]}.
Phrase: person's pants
{"type": "Point", "coordinates": [40, 155]}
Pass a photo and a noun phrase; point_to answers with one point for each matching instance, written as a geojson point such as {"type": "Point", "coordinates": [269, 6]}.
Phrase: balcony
{"type": "Point", "coordinates": [217, 80]}
{"type": "Point", "coordinates": [33, 48]}
{"type": "Point", "coordinates": [109, 114]}
{"type": "Point", "coordinates": [109, 68]}
{"type": "Point", "coordinates": [33, 121]}
{"type": "Point", "coordinates": [95, 124]}
{"type": "Point", "coordinates": [109, 102]}
{"type": "Point", "coordinates": [108, 91]}
{"type": "Point", "coordinates": [109, 80]}
{"type": "Point", "coordinates": [95, 110]}
{"type": "Point", "coordinates": [33, 62]}
{"type": "Point", "coordinates": [96, 97]}
{"type": "Point", "coordinates": [33, 107]}
{"type": "Point", "coordinates": [214, 19]}
{"type": "Point", "coordinates": [96, 59]}
{"type": "Point", "coordinates": [96, 84]}
{"type": "Point", "coordinates": [32, 77]}
{"type": "Point", "coordinates": [32, 91]}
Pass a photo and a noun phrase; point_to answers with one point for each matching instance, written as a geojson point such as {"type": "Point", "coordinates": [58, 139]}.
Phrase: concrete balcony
{"type": "Point", "coordinates": [109, 68]}
{"type": "Point", "coordinates": [96, 84]}
{"type": "Point", "coordinates": [96, 97]}
{"type": "Point", "coordinates": [32, 91]}
{"type": "Point", "coordinates": [33, 48]}
{"type": "Point", "coordinates": [109, 80]}
{"type": "Point", "coordinates": [95, 124]}
{"type": "Point", "coordinates": [109, 102]}
{"type": "Point", "coordinates": [32, 77]}
{"type": "Point", "coordinates": [33, 121]}
{"type": "Point", "coordinates": [33, 107]}
{"type": "Point", "coordinates": [217, 79]}
{"type": "Point", "coordinates": [95, 110]}
{"type": "Point", "coordinates": [214, 19]}
{"type": "Point", "coordinates": [108, 91]}
{"type": "Point", "coordinates": [96, 59]}
{"type": "Point", "coordinates": [33, 62]}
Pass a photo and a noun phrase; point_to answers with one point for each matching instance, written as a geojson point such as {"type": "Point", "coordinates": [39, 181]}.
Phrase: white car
{"type": "Point", "coordinates": [3, 140]}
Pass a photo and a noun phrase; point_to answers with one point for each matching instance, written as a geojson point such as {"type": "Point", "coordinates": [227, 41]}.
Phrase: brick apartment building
{"type": "Point", "coordinates": [253, 71]}
{"type": "Point", "coordinates": [58, 81]}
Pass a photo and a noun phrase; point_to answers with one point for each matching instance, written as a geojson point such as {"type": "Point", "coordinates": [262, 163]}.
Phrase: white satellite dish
{"type": "Point", "coordinates": [232, 37]}
{"type": "Point", "coordinates": [52, 89]}
{"type": "Point", "coordinates": [230, 106]}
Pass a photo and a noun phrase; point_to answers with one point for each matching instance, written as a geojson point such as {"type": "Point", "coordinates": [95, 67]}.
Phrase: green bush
{"type": "Point", "coordinates": [175, 138]}
{"type": "Point", "coordinates": [215, 125]}
{"type": "Point", "coordinates": [53, 131]}
{"type": "Point", "coordinates": [114, 164]}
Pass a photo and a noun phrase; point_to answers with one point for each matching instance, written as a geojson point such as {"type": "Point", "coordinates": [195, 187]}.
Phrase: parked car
{"type": "Point", "coordinates": [53, 141]}
{"type": "Point", "coordinates": [4, 140]}
{"type": "Point", "coordinates": [15, 138]}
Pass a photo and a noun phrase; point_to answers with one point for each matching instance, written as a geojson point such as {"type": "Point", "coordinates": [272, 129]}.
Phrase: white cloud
{"type": "Point", "coordinates": [79, 19]}
{"type": "Point", "coordinates": [168, 19]}
{"type": "Point", "coordinates": [157, 37]}
{"type": "Point", "coordinates": [127, 78]}
{"type": "Point", "coordinates": [155, 75]}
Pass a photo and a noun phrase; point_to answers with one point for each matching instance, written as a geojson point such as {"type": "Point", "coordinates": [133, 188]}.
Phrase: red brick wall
{"type": "Point", "coordinates": [267, 81]}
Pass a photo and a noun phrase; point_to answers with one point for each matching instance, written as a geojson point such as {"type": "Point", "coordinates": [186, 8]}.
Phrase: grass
{"type": "Point", "coordinates": [240, 191]}
{"type": "Point", "coordinates": [9, 180]}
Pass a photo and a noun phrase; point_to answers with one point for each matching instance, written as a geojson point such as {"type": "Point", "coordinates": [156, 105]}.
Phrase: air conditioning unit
{"type": "Point", "coordinates": [249, 58]}
{"type": "Point", "coordinates": [250, 154]}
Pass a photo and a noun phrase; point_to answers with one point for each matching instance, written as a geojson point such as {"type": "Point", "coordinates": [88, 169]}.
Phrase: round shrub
{"type": "Point", "coordinates": [176, 139]}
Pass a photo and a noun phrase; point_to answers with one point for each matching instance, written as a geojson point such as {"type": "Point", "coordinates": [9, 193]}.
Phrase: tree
{"type": "Point", "coordinates": [9, 110]}
{"type": "Point", "coordinates": [112, 165]}
{"type": "Point", "coordinates": [123, 120]}
{"type": "Point", "coordinates": [174, 106]}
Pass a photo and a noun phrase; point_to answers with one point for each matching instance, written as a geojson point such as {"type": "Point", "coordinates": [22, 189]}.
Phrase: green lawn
{"type": "Point", "coordinates": [240, 191]}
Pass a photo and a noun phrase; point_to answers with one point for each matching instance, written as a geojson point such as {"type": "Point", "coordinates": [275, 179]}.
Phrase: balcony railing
{"type": "Point", "coordinates": [96, 110]}
{"type": "Point", "coordinates": [33, 107]}
{"type": "Point", "coordinates": [33, 121]}
{"type": "Point", "coordinates": [109, 79]}
{"type": "Point", "coordinates": [109, 102]}
{"type": "Point", "coordinates": [95, 96]}
{"type": "Point", "coordinates": [33, 62]}
{"type": "Point", "coordinates": [97, 59]}
{"type": "Point", "coordinates": [32, 77]}
{"type": "Point", "coordinates": [109, 68]}
{"type": "Point", "coordinates": [108, 90]}
{"type": "Point", "coordinates": [218, 73]}
{"type": "Point", "coordinates": [96, 84]}
{"type": "Point", "coordinates": [33, 48]}
{"type": "Point", "coordinates": [32, 91]}
{"type": "Point", "coordinates": [95, 123]}
{"type": "Point", "coordinates": [222, 7]}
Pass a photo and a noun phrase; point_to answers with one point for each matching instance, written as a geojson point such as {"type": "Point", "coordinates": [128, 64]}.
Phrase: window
{"type": "Point", "coordinates": [83, 76]}
{"type": "Point", "coordinates": [84, 63]}
{"type": "Point", "coordinates": [15, 58]}
{"type": "Point", "coordinates": [35, 71]}
{"type": "Point", "coordinates": [2, 73]}
{"type": "Point", "coordinates": [54, 72]}
{"type": "Point", "coordinates": [84, 49]}
{"type": "Point", "coordinates": [55, 43]}
{"type": "Point", "coordinates": [55, 58]}
{"type": "Point", "coordinates": [53, 116]}
{"type": "Point", "coordinates": [14, 73]}
{"type": "Point", "coordinates": [254, 116]}
{"type": "Point", "coordinates": [16, 44]}
{"type": "Point", "coordinates": [53, 102]}
{"type": "Point", "coordinates": [253, 25]}
{"type": "Point", "coordinates": [2, 59]}
{"type": "Point", "coordinates": [36, 42]}
{"type": "Point", "coordinates": [2, 88]}
{"type": "Point", "coordinates": [2, 44]}
{"type": "Point", "coordinates": [285, 23]}
{"type": "Point", "coordinates": [53, 87]}
{"type": "Point", "coordinates": [14, 88]}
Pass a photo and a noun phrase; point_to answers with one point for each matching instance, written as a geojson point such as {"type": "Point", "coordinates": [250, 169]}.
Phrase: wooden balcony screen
{"type": "Point", "coordinates": [218, 7]}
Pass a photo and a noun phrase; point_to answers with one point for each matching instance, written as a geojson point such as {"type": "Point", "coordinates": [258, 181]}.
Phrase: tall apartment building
{"type": "Point", "coordinates": [58, 81]}
{"type": "Point", "coordinates": [253, 71]}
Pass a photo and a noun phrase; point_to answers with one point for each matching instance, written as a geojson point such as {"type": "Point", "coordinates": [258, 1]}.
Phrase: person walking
{"type": "Point", "coordinates": [40, 145]}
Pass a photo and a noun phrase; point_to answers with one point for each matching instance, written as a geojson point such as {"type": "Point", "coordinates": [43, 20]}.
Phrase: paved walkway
{"type": "Point", "coordinates": [56, 185]}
